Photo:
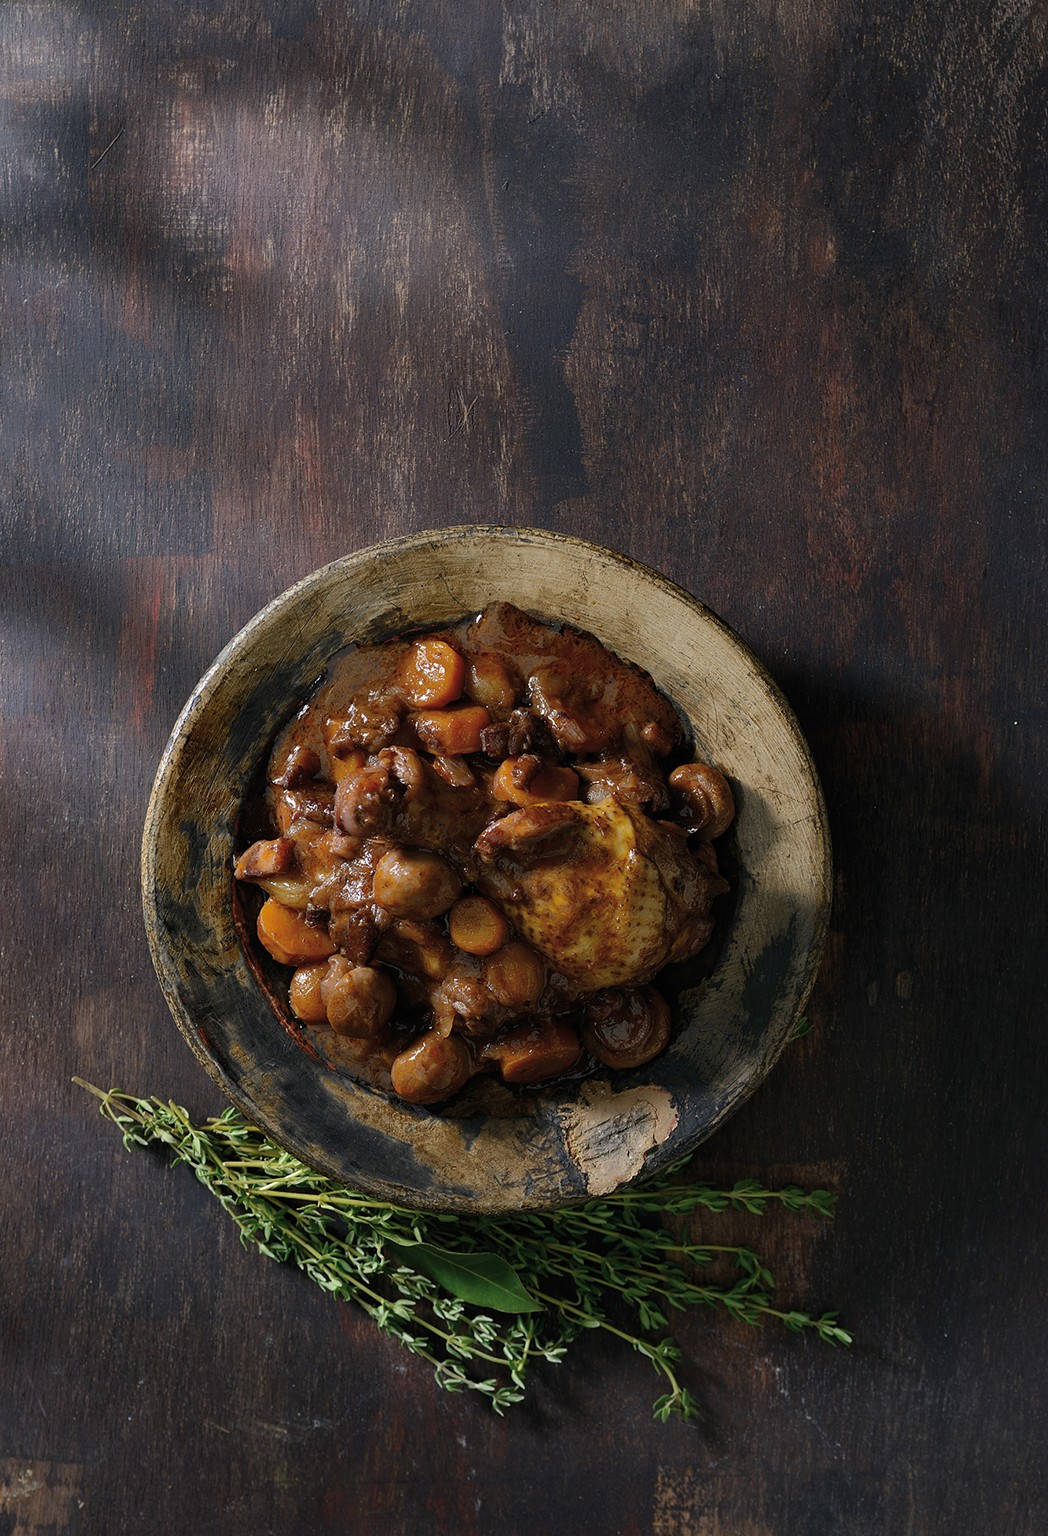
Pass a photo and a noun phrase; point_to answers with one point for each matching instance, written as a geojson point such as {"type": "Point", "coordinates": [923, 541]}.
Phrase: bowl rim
{"type": "Point", "coordinates": [201, 694]}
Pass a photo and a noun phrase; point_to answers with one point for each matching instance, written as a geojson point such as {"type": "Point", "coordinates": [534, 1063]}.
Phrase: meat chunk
{"type": "Point", "coordinates": [539, 832]}
{"type": "Point", "coordinates": [355, 933]}
{"type": "Point", "coordinates": [630, 780]}
{"type": "Point", "coordinates": [300, 765]}
{"type": "Point", "coordinates": [478, 996]}
{"type": "Point", "coordinates": [520, 732]}
{"type": "Point", "coordinates": [368, 725]}
{"type": "Point", "coordinates": [346, 891]}
{"type": "Point", "coordinates": [592, 708]}
{"type": "Point", "coordinates": [266, 858]}
{"type": "Point", "coordinates": [398, 793]}
{"type": "Point", "coordinates": [421, 949]}
{"type": "Point", "coordinates": [310, 803]}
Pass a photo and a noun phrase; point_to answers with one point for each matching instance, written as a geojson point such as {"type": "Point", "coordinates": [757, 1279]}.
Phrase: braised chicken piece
{"type": "Point", "coordinates": [588, 698]}
{"type": "Point", "coordinates": [484, 846]}
{"type": "Point", "coordinates": [607, 895]}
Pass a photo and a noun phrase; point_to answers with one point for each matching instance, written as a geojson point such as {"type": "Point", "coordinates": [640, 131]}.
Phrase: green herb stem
{"type": "Point", "coordinates": [472, 1314]}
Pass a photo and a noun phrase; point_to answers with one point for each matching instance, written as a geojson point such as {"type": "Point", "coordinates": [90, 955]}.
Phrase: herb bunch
{"type": "Point", "coordinates": [483, 1315]}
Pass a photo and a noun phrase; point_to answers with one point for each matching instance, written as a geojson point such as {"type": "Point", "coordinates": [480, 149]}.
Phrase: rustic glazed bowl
{"type": "Point", "coordinates": [532, 1149]}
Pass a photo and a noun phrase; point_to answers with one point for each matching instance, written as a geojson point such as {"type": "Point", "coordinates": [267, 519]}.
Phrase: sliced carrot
{"type": "Point", "coordinates": [434, 674]}
{"type": "Point", "coordinates": [291, 938]}
{"type": "Point", "coordinates": [477, 926]}
{"type": "Point", "coordinates": [514, 782]}
{"type": "Point", "coordinates": [535, 1051]}
{"type": "Point", "coordinates": [452, 732]}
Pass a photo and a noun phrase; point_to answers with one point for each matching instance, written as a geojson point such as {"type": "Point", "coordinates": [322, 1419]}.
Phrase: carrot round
{"type": "Point", "coordinates": [477, 926]}
{"type": "Point", "coordinates": [537, 1050]}
{"type": "Point", "coordinates": [290, 938]}
{"type": "Point", "coordinates": [519, 782]}
{"type": "Point", "coordinates": [452, 732]}
{"type": "Point", "coordinates": [434, 674]}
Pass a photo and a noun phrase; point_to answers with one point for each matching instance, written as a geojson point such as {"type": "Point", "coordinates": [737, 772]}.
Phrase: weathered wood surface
{"type": "Point", "coordinates": [753, 292]}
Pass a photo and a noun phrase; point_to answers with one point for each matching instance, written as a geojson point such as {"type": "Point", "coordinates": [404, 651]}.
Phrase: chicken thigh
{"type": "Point", "coordinates": [605, 893]}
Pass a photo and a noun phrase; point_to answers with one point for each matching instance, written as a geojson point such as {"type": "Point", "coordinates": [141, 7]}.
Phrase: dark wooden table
{"type": "Point", "coordinates": [753, 292]}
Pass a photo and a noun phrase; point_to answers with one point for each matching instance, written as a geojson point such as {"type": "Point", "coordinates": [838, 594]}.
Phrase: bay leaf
{"type": "Point", "coordinates": [481, 1279]}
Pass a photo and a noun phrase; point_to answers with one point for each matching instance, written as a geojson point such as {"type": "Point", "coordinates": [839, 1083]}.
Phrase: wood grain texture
{"type": "Point", "coordinates": [754, 293]}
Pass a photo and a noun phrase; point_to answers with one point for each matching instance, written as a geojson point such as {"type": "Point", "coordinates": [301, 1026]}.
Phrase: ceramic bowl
{"type": "Point", "coordinates": [536, 1148]}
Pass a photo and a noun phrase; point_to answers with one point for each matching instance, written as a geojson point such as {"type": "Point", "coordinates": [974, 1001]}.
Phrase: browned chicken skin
{"type": "Point", "coordinates": [607, 895]}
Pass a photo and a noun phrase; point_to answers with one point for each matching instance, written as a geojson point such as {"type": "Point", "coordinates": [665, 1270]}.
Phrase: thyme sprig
{"type": "Point", "coordinates": [483, 1318]}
